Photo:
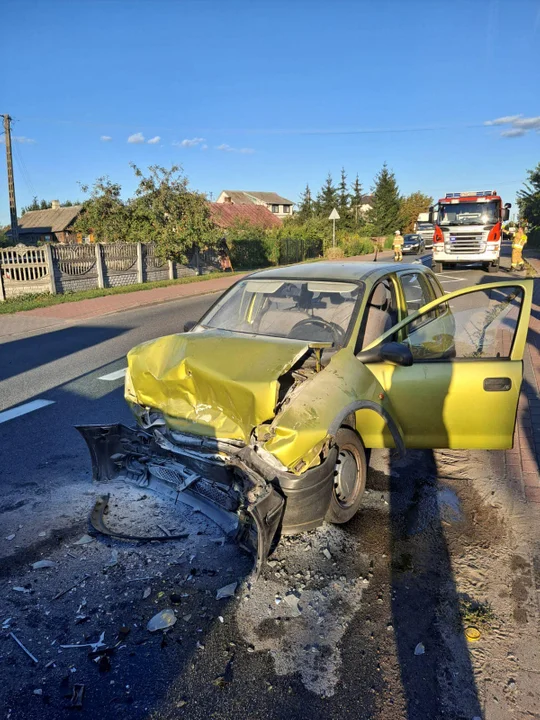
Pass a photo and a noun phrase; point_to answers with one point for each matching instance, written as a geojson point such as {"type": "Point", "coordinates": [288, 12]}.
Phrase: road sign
{"type": "Point", "coordinates": [334, 215]}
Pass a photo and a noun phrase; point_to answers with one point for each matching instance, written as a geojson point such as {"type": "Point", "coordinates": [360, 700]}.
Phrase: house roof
{"type": "Point", "coordinates": [248, 196]}
{"type": "Point", "coordinates": [51, 220]}
{"type": "Point", "coordinates": [367, 199]}
{"type": "Point", "coordinates": [226, 215]}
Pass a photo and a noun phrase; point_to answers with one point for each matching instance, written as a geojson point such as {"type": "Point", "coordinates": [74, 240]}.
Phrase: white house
{"type": "Point", "coordinates": [277, 204]}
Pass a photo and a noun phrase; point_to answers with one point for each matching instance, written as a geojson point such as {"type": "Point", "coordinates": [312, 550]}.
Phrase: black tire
{"type": "Point", "coordinates": [437, 267]}
{"type": "Point", "coordinates": [349, 477]}
{"type": "Point", "coordinates": [494, 266]}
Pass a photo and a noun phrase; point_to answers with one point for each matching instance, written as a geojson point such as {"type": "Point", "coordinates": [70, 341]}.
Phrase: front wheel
{"type": "Point", "coordinates": [349, 477]}
{"type": "Point", "coordinates": [493, 267]}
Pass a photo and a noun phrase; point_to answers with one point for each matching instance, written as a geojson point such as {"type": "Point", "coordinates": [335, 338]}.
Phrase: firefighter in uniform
{"type": "Point", "coordinates": [398, 246]}
{"type": "Point", "coordinates": [518, 243]}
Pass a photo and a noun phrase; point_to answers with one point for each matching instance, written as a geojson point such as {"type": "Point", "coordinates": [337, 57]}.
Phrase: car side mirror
{"type": "Point", "coordinates": [506, 214]}
{"type": "Point", "coordinates": [189, 325]}
{"type": "Point", "coordinates": [393, 352]}
{"type": "Point", "coordinates": [430, 215]}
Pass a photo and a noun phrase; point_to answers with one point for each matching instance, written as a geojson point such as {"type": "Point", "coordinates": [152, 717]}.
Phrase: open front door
{"type": "Point", "coordinates": [462, 390]}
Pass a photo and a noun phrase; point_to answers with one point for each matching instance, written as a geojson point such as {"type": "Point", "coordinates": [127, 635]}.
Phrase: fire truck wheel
{"type": "Point", "coordinates": [437, 267]}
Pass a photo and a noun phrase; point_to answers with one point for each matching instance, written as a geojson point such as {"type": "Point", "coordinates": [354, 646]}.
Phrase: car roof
{"type": "Point", "coordinates": [351, 271]}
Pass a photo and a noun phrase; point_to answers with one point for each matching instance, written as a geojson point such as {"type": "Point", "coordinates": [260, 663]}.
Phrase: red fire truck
{"type": "Point", "coordinates": [468, 229]}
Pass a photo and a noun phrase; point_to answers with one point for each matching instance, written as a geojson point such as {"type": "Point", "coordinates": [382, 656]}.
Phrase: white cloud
{"type": "Point", "coordinates": [105, 138]}
{"type": "Point", "coordinates": [227, 148]}
{"type": "Point", "coordinates": [527, 123]}
{"type": "Point", "coordinates": [154, 140]}
{"type": "Point", "coordinates": [136, 138]}
{"type": "Point", "coordinates": [18, 139]}
{"type": "Point", "coordinates": [193, 142]}
{"type": "Point", "coordinates": [507, 120]}
{"type": "Point", "coordinates": [513, 132]}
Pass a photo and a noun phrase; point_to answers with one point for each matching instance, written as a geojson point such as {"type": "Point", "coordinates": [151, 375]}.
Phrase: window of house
{"type": "Point", "coordinates": [286, 208]}
{"type": "Point", "coordinates": [275, 208]}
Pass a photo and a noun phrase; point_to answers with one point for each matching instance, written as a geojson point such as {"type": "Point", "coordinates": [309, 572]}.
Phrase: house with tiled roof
{"type": "Point", "coordinates": [276, 204]}
{"type": "Point", "coordinates": [226, 215]}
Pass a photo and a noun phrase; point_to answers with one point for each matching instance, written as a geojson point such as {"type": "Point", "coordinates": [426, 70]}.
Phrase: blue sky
{"type": "Point", "coordinates": [271, 95]}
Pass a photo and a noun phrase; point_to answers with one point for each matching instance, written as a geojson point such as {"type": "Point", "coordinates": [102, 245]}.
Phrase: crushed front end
{"type": "Point", "coordinates": [247, 495]}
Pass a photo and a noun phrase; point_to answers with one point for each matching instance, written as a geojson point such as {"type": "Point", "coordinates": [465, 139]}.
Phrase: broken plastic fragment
{"type": "Point", "coordinates": [11, 537]}
{"type": "Point", "coordinates": [162, 621]}
{"type": "Point", "coordinates": [327, 554]}
{"type": "Point", "coordinates": [113, 560]}
{"type": "Point", "coordinates": [292, 602]}
{"type": "Point", "coordinates": [226, 591]}
{"type": "Point", "coordinates": [84, 540]}
{"type": "Point", "coordinates": [147, 592]}
{"type": "Point", "coordinates": [419, 649]}
{"type": "Point", "coordinates": [95, 646]}
{"type": "Point", "coordinates": [17, 588]}
{"type": "Point", "coordinates": [40, 564]}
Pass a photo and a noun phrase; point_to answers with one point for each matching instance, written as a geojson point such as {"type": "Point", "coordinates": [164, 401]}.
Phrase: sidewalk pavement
{"type": "Point", "coordinates": [523, 461]}
{"type": "Point", "coordinates": [46, 318]}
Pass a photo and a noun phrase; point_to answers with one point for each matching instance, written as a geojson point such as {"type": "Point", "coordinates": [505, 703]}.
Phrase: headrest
{"type": "Point", "coordinates": [379, 296]}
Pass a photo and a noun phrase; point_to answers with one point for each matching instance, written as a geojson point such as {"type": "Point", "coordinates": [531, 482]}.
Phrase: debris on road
{"type": "Point", "coordinates": [147, 592]}
{"type": "Point", "coordinates": [18, 588]}
{"type": "Point", "coordinates": [162, 621]}
{"type": "Point", "coordinates": [19, 643]}
{"type": "Point", "coordinates": [226, 591]}
{"type": "Point", "coordinates": [64, 592]}
{"type": "Point", "coordinates": [419, 649]}
{"type": "Point", "coordinates": [472, 634]}
{"type": "Point", "coordinates": [113, 560]}
{"type": "Point", "coordinates": [327, 554]}
{"type": "Point", "coordinates": [95, 646]}
{"type": "Point", "coordinates": [11, 537]}
{"type": "Point", "coordinates": [41, 564]}
{"type": "Point", "coordinates": [84, 540]}
{"type": "Point", "coordinates": [77, 696]}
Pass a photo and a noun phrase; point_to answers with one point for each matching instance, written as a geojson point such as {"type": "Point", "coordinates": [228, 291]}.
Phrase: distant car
{"type": "Point", "coordinates": [413, 244]}
{"type": "Point", "coordinates": [263, 409]}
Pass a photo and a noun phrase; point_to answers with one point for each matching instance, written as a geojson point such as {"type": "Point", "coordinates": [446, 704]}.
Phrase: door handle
{"type": "Point", "coordinates": [497, 384]}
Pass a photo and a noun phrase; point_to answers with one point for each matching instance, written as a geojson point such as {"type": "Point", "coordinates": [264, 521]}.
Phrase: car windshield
{"type": "Point", "coordinates": [411, 238]}
{"type": "Point", "coordinates": [425, 226]}
{"type": "Point", "coordinates": [469, 213]}
{"type": "Point", "coordinates": [311, 310]}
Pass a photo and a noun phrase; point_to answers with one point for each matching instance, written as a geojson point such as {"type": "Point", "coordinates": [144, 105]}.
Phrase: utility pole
{"type": "Point", "coordinates": [11, 182]}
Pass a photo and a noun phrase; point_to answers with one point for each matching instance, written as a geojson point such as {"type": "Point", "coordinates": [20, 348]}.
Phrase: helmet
{"type": "Point", "coordinates": [397, 232]}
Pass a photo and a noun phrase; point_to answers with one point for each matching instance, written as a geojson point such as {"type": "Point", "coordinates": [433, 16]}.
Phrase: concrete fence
{"type": "Point", "coordinates": [56, 269]}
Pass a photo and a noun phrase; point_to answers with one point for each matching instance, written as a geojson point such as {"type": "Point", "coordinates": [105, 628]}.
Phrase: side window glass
{"type": "Point", "coordinates": [482, 324]}
{"type": "Point", "coordinates": [380, 315]}
{"type": "Point", "coordinates": [417, 294]}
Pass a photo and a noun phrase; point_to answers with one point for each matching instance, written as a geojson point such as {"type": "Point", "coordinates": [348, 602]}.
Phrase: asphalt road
{"type": "Point", "coordinates": [73, 376]}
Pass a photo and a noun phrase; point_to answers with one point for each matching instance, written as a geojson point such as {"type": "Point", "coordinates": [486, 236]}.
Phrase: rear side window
{"type": "Point", "coordinates": [418, 292]}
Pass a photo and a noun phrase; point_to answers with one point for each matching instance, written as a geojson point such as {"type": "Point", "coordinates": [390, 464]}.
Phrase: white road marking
{"type": "Point", "coordinates": [116, 375]}
{"type": "Point", "coordinates": [23, 409]}
{"type": "Point", "coordinates": [449, 278]}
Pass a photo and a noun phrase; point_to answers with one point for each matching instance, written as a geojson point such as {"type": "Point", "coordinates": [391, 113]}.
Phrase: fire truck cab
{"type": "Point", "coordinates": [468, 229]}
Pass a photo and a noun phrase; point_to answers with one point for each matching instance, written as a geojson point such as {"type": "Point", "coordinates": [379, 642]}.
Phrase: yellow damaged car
{"type": "Point", "coordinates": [260, 412]}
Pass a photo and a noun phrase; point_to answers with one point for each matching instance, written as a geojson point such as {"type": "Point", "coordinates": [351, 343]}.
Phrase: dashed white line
{"type": "Point", "coordinates": [449, 278]}
{"type": "Point", "coordinates": [116, 375]}
{"type": "Point", "coordinates": [24, 409]}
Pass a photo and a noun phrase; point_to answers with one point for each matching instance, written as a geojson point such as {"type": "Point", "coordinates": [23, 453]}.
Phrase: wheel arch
{"type": "Point", "coordinates": [344, 418]}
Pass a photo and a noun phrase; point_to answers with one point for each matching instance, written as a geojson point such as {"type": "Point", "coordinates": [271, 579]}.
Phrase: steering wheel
{"type": "Point", "coordinates": [337, 332]}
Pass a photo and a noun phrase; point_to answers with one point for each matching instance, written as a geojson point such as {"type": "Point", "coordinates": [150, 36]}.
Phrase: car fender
{"type": "Point", "coordinates": [304, 428]}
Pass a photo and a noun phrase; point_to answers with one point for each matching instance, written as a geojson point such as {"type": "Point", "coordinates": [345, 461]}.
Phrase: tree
{"type": "Point", "coordinates": [104, 214]}
{"type": "Point", "coordinates": [327, 199]}
{"type": "Point", "coordinates": [305, 206]}
{"type": "Point", "coordinates": [45, 205]}
{"type": "Point", "coordinates": [411, 206]}
{"type": "Point", "coordinates": [384, 213]}
{"type": "Point", "coordinates": [166, 211]}
{"type": "Point", "coordinates": [529, 198]}
{"type": "Point", "coordinates": [356, 202]}
{"type": "Point", "coordinates": [343, 198]}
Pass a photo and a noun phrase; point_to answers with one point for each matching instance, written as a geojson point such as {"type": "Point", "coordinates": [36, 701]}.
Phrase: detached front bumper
{"type": "Point", "coordinates": [252, 499]}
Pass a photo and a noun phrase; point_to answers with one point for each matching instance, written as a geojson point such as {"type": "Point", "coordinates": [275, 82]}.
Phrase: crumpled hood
{"type": "Point", "coordinates": [213, 383]}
